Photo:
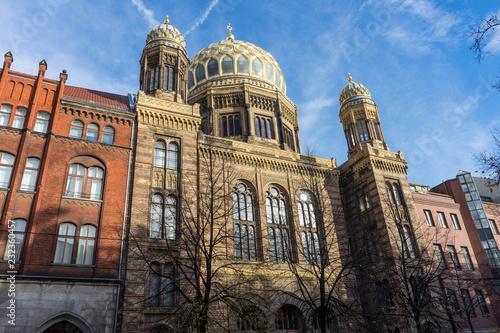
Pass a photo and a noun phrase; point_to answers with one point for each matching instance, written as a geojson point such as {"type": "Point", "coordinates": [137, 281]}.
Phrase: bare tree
{"type": "Point", "coordinates": [201, 283]}
{"type": "Point", "coordinates": [480, 34]}
{"type": "Point", "coordinates": [489, 161]}
{"type": "Point", "coordinates": [322, 265]}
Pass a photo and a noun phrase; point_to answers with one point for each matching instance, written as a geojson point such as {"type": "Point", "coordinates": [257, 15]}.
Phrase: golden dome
{"type": "Point", "coordinates": [231, 58]}
{"type": "Point", "coordinates": [166, 34]}
{"type": "Point", "coordinates": [352, 91]}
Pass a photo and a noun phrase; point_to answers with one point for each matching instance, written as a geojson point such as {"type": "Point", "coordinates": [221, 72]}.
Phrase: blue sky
{"type": "Point", "coordinates": [435, 100]}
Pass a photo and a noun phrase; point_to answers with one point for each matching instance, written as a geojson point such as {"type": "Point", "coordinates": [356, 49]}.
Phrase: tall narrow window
{"type": "Point", "coordinates": [30, 174]}
{"type": "Point", "coordinates": [482, 303]}
{"type": "Point", "coordinates": [288, 136]}
{"type": "Point", "coordinates": [6, 163]}
{"type": "Point", "coordinates": [442, 220]}
{"type": "Point", "coordinates": [230, 125]}
{"type": "Point", "coordinates": [163, 219]}
{"type": "Point", "coordinates": [18, 230]}
{"type": "Point", "coordinates": [397, 193]}
{"type": "Point", "coordinates": [493, 227]}
{"type": "Point", "coordinates": [408, 241]}
{"type": "Point", "coordinates": [5, 112]}
{"type": "Point", "coordinates": [168, 78]}
{"type": "Point", "coordinates": [213, 67]}
{"type": "Point", "coordinates": [65, 243]}
{"type": "Point", "coordinates": [454, 220]}
{"type": "Point", "coordinates": [95, 181]}
{"type": "Point", "coordinates": [86, 245]}
{"type": "Point", "coordinates": [160, 154]}
{"type": "Point", "coordinates": [156, 219]}
{"type": "Point", "coordinates": [386, 302]}
{"type": "Point", "coordinates": [309, 234]}
{"type": "Point", "coordinates": [279, 242]}
{"type": "Point", "coordinates": [454, 257]}
{"type": "Point", "coordinates": [263, 127]}
{"type": "Point", "coordinates": [160, 289]}
{"type": "Point", "coordinates": [19, 118]}
{"type": "Point", "coordinates": [428, 218]}
{"type": "Point", "coordinates": [363, 130]}
{"type": "Point", "coordinates": [108, 135]}
{"type": "Point", "coordinates": [173, 152]}
{"type": "Point", "coordinates": [76, 130]}
{"type": "Point", "coordinates": [244, 227]}
{"type": "Point", "coordinates": [92, 132]}
{"type": "Point", "coordinates": [439, 256]}
{"type": "Point", "coordinates": [390, 193]}
{"type": "Point", "coordinates": [42, 121]}
{"type": "Point", "coordinates": [467, 259]}
{"type": "Point", "coordinates": [469, 306]}
{"type": "Point", "coordinates": [75, 181]}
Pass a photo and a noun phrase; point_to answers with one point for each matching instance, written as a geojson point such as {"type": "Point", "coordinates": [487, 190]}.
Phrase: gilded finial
{"type": "Point", "coordinates": [349, 77]}
{"type": "Point", "coordinates": [230, 35]}
{"type": "Point", "coordinates": [167, 20]}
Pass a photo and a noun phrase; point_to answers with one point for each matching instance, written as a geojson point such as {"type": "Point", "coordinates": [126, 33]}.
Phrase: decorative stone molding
{"type": "Point", "coordinates": [111, 118]}
{"type": "Point", "coordinates": [228, 100]}
{"type": "Point", "coordinates": [263, 103]}
{"type": "Point", "coordinates": [168, 120]}
{"type": "Point", "coordinates": [169, 59]}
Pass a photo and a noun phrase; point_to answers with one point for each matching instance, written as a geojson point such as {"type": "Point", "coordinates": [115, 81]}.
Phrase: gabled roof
{"type": "Point", "coordinates": [97, 98]}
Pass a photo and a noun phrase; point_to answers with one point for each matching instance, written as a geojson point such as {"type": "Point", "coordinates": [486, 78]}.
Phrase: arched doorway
{"type": "Point", "coordinates": [63, 327]}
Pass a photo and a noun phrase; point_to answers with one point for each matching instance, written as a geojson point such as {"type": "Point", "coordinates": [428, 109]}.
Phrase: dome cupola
{"type": "Point", "coordinates": [354, 91]}
{"type": "Point", "coordinates": [166, 34]}
{"type": "Point", "coordinates": [233, 58]}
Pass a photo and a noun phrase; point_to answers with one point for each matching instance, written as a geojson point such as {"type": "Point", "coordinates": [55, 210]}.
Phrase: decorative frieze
{"type": "Point", "coordinates": [263, 103]}
{"type": "Point", "coordinates": [228, 100]}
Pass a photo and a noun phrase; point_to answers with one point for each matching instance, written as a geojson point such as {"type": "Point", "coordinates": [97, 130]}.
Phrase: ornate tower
{"type": "Point", "coordinates": [381, 216]}
{"type": "Point", "coordinates": [359, 117]}
{"type": "Point", "coordinates": [164, 63]}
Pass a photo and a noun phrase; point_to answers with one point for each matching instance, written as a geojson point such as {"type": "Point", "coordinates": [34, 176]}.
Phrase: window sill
{"type": "Point", "coordinates": [56, 264]}
{"type": "Point", "coordinates": [82, 199]}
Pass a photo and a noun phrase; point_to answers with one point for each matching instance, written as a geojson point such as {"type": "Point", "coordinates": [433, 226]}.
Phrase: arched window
{"type": "Point", "coordinates": [108, 135]}
{"type": "Point", "coordinates": [227, 65]}
{"type": "Point", "coordinates": [92, 132]}
{"type": "Point", "coordinates": [42, 121]}
{"type": "Point", "coordinates": [200, 72]}
{"type": "Point", "coordinates": [84, 182]}
{"type": "Point", "coordinates": [269, 72]}
{"type": "Point", "coordinates": [363, 130]}
{"type": "Point", "coordinates": [65, 242]}
{"type": "Point", "coordinates": [13, 250]}
{"type": "Point", "coordinates": [242, 64]}
{"type": "Point", "coordinates": [279, 241]}
{"type": "Point", "coordinates": [76, 130]}
{"type": "Point", "coordinates": [5, 112]}
{"type": "Point", "coordinates": [406, 240]}
{"type": "Point", "coordinates": [256, 67]}
{"type": "Point", "coordinates": [160, 154]}
{"type": "Point", "coordinates": [230, 125]}
{"type": "Point", "coordinates": [244, 227]}
{"type": "Point", "coordinates": [168, 78]}
{"type": "Point", "coordinates": [19, 118]}
{"type": "Point", "coordinates": [86, 245]}
{"type": "Point", "coordinates": [6, 163]}
{"type": "Point", "coordinates": [289, 319]}
{"type": "Point", "coordinates": [397, 193]}
{"type": "Point", "coordinates": [213, 67]}
{"type": "Point", "coordinates": [390, 193]}
{"type": "Point", "coordinates": [190, 80]}
{"type": "Point", "coordinates": [163, 217]}
{"type": "Point", "coordinates": [172, 157]}
{"type": "Point", "coordinates": [263, 127]}
{"type": "Point", "coordinates": [309, 233]}
{"type": "Point", "coordinates": [30, 174]}
{"type": "Point", "coordinates": [160, 288]}
{"type": "Point", "coordinates": [252, 319]}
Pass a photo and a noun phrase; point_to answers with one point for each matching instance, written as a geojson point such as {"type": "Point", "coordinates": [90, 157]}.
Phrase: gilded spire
{"type": "Point", "coordinates": [167, 20]}
{"type": "Point", "coordinates": [349, 77]}
{"type": "Point", "coordinates": [230, 35]}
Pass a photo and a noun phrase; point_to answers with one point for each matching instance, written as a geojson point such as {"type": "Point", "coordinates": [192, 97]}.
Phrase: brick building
{"type": "Point", "coordinates": [64, 169]}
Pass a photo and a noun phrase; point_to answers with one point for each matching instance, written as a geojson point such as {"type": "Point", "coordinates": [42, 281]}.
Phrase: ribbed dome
{"type": "Point", "coordinates": [353, 90]}
{"type": "Point", "coordinates": [166, 34]}
{"type": "Point", "coordinates": [234, 58]}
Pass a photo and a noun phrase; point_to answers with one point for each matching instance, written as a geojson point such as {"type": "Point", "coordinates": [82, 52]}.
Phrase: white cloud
{"type": "Point", "coordinates": [148, 13]}
{"type": "Point", "coordinates": [201, 18]}
{"type": "Point", "coordinates": [493, 45]}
